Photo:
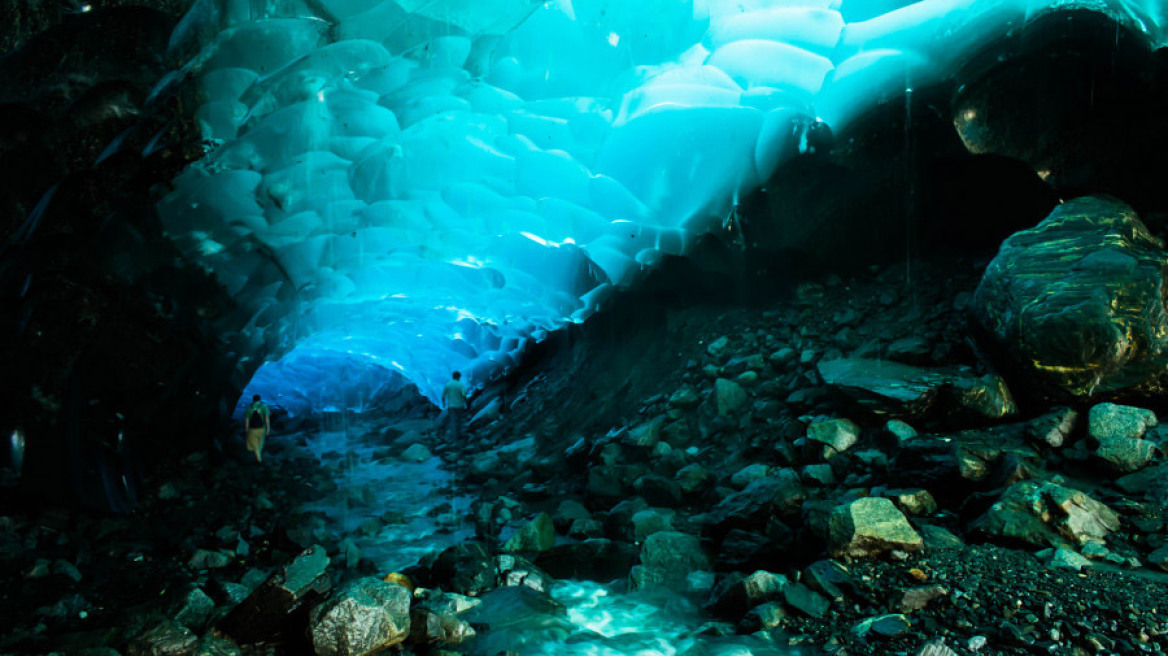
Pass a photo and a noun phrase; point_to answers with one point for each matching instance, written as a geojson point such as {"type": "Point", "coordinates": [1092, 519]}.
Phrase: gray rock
{"type": "Point", "coordinates": [167, 638]}
{"type": "Point", "coordinates": [819, 475]}
{"type": "Point", "coordinates": [913, 501]}
{"type": "Point", "coordinates": [650, 521]}
{"type": "Point", "coordinates": [917, 598]}
{"type": "Point", "coordinates": [416, 453]}
{"type": "Point", "coordinates": [668, 559]}
{"type": "Point", "coordinates": [718, 347]}
{"type": "Point", "coordinates": [882, 626]}
{"type": "Point", "coordinates": [1125, 455]}
{"type": "Point", "coordinates": [737, 594]}
{"type": "Point", "coordinates": [658, 490]}
{"type": "Point", "coordinates": [207, 559]}
{"type": "Point", "coordinates": [1111, 421]}
{"type": "Point", "coordinates": [778, 494]}
{"type": "Point", "coordinates": [805, 600]}
{"type": "Point", "coordinates": [515, 571]}
{"type": "Point", "coordinates": [212, 645]}
{"type": "Point", "coordinates": [1053, 428]}
{"type": "Point", "coordinates": [729, 396]}
{"type": "Point", "coordinates": [428, 627]}
{"type": "Point", "coordinates": [263, 615]}
{"type": "Point", "coordinates": [693, 479]}
{"type": "Point", "coordinates": [935, 648]}
{"type": "Point", "coordinates": [868, 527]}
{"type": "Point", "coordinates": [1159, 558]}
{"type": "Point", "coordinates": [748, 475]}
{"type": "Point", "coordinates": [1075, 305]}
{"type": "Point", "coordinates": [569, 511]}
{"type": "Point", "coordinates": [685, 398]}
{"type": "Point", "coordinates": [901, 390]}
{"type": "Point", "coordinates": [900, 430]}
{"type": "Point", "coordinates": [1064, 559]}
{"type": "Point", "coordinates": [190, 606]}
{"type": "Point", "coordinates": [1046, 514]}
{"type": "Point", "coordinates": [839, 434]}
{"type": "Point", "coordinates": [764, 617]}
{"type": "Point", "coordinates": [362, 617]}
{"type": "Point", "coordinates": [537, 535]}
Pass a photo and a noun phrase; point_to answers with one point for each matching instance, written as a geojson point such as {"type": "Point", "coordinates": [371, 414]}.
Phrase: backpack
{"type": "Point", "coordinates": [256, 418]}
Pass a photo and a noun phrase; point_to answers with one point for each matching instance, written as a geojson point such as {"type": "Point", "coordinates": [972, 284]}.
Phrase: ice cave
{"type": "Point", "coordinates": [584, 327]}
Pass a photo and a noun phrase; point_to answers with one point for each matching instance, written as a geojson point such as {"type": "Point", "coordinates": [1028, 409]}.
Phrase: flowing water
{"type": "Point", "coordinates": [581, 618]}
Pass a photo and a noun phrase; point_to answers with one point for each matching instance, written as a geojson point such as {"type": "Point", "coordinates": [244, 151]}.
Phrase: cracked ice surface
{"type": "Point", "coordinates": [434, 183]}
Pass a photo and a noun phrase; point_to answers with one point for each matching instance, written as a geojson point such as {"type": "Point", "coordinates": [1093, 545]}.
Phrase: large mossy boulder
{"type": "Point", "coordinates": [1074, 307]}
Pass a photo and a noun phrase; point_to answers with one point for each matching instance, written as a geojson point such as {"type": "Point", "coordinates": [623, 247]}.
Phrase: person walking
{"type": "Point", "coordinates": [258, 423]}
{"type": "Point", "coordinates": [455, 403]}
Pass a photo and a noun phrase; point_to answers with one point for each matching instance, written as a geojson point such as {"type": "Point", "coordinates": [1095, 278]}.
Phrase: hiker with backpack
{"type": "Point", "coordinates": [257, 422]}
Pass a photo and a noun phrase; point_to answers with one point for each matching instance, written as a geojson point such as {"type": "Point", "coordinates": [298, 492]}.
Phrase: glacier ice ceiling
{"type": "Point", "coordinates": [432, 184]}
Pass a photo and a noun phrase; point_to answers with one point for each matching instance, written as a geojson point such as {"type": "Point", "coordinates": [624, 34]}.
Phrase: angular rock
{"type": "Point", "coordinates": [416, 453]}
{"type": "Point", "coordinates": [917, 598]}
{"type": "Point", "coordinates": [737, 594]}
{"type": "Point", "coordinates": [901, 390]}
{"type": "Point", "coordinates": [693, 479]}
{"type": "Point", "coordinates": [805, 600]}
{"type": "Point", "coordinates": [914, 501]}
{"type": "Point", "coordinates": [275, 607]}
{"type": "Point", "coordinates": [537, 535]}
{"type": "Point", "coordinates": [658, 490]}
{"type": "Point", "coordinates": [763, 617]}
{"type": "Point", "coordinates": [1046, 514]}
{"type": "Point", "coordinates": [1054, 428]}
{"type": "Point", "coordinates": [668, 559]}
{"type": "Point", "coordinates": [820, 475]}
{"type": "Point", "coordinates": [1125, 455]}
{"type": "Point", "coordinates": [883, 626]}
{"type": "Point", "coordinates": [514, 571]}
{"type": "Point", "coordinates": [1074, 307]}
{"type": "Point", "coordinates": [778, 494]}
{"type": "Point", "coordinates": [167, 638]}
{"type": "Point", "coordinates": [868, 527]}
{"type": "Point", "coordinates": [839, 434]}
{"type": "Point", "coordinates": [569, 511]}
{"type": "Point", "coordinates": [1064, 559]}
{"type": "Point", "coordinates": [830, 579]}
{"type": "Point", "coordinates": [748, 475]}
{"type": "Point", "coordinates": [685, 398]}
{"type": "Point", "coordinates": [428, 627]}
{"type": "Point", "coordinates": [1110, 421]}
{"type": "Point", "coordinates": [728, 396]}
{"type": "Point", "coordinates": [650, 521]}
{"type": "Point", "coordinates": [464, 568]}
{"type": "Point", "coordinates": [361, 617]}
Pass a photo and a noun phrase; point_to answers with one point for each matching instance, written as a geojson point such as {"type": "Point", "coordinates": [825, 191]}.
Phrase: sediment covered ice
{"type": "Point", "coordinates": [434, 184]}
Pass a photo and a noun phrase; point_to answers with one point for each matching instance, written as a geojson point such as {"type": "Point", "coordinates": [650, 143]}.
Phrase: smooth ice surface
{"type": "Point", "coordinates": [432, 184]}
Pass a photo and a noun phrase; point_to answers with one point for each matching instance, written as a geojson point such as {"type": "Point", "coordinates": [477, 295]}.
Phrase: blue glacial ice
{"type": "Point", "coordinates": [433, 184]}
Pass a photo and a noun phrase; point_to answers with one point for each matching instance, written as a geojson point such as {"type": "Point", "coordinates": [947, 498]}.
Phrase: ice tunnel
{"type": "Point", "coordinates": [433, 184]}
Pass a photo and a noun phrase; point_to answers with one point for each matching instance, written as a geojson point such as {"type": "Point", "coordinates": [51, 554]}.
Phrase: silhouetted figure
{"type": "Point", "coordinates": [455, 403]}
{"type": "Point", "coordinates": [257, 422]}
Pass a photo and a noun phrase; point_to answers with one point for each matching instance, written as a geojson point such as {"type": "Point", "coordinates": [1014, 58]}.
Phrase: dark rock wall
{"type": "Point", "coordinates": [108, 339]}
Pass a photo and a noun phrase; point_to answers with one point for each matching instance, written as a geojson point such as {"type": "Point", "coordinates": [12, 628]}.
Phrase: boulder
{"type": "Point", "coordinates": [780, 494]}
{"type": "Point", "coordinates": [464, 568]}
{"type": "Point", "coordinates": [1108, 421]}
{"type": "Point", "coordinates": [748, 475]}
{"type": "Point", "coordinates": [839, 434]}
{"type": "Point", "coordinates": [1074, 307]}
{"type": "Point", "coordinates": [167, 638]}
{"type": "Point", "coordinates": [668, 559]}
{"type": "Point", "coordinates": [868, 527]}
{"type": "Point", "coordinates": [904, 391]}
{"type": "Point", "coordinates": [737, 594]}
{"type": "Point", "coordinates": [806, 600]}
{"type": "Point", "coordinates": [1047, 515]}
{"type": "Point", "coordinates": [728, 396]}
{"type": "Point", "coordinates": [658, 490]}
{"type": "Point", "coordinates": [515, 571]}
{"type": "Point", "coordinates": [364, 616]}
{"type": "Point", "coordinates": [1125, 455]}
{"type": "Point", "coordinates": [273, 608]}
{"type": "Point", "coordinates": [537, 535]}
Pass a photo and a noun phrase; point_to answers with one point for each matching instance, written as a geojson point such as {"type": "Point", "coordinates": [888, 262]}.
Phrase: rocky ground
{"type": "Point", "coordinates": [835, 472]}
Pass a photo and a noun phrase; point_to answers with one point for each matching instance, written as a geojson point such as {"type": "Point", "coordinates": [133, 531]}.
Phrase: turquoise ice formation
{"type": "Point", "coordinates": [432, 184]}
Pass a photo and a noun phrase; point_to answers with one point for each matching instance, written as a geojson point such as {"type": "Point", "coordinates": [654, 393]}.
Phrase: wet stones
{"type": "Point", "coordinates": [1047, 514]}
{"type": "Point", "coordinates": [728, 396]}
{"type": "Point", "coordinates": [900, 390]}
{"type": "Point", "coordinates": [838, 435]}
{"type": "Point", "coordinates": [167, 638]}
{"type": "Point", "coordinates": [1118, 429]}
{"type": "Point", "coordinates": [275, 604]}
{"type": "Point", "coordinates": [869, 527]}
{"type": "Point", "coordinates": [737, 594]}
{"type": "Point", "coordinates": [1074, 307]}
{"type": "Point", "coordinates": [668, 559]}
{"type": "Point", "coordinates": [364, 616]}
{"type": "Point", "coordinates": [537, 535]}
{"type": "Point", "coordinates": [597, 559]}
